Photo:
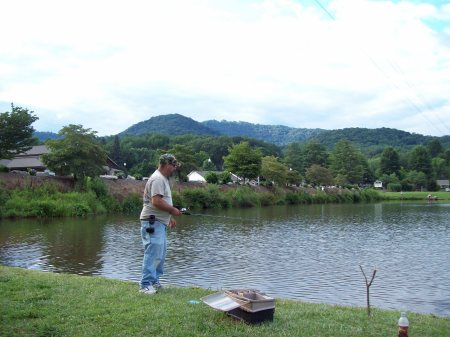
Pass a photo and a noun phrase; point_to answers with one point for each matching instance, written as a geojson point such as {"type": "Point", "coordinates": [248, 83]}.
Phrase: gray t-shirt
{"type": "Point", "coordinates": [156, 184]}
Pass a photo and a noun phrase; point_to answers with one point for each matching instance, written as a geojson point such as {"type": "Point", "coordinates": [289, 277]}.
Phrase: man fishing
{"type": "Point", "coordinates": [157, 214]}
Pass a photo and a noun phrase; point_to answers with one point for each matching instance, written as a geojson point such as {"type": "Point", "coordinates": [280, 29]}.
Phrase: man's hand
{"type": "Point", "coordinates": [175, 211]}
{"type": "Point", "coordinates": [172, 223]}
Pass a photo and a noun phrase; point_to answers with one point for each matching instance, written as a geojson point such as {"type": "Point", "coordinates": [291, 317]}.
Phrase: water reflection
{"type": "Point", "coordinates": [312, 253]}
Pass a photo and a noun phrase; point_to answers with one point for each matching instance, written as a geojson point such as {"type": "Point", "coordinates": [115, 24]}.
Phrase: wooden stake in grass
{"type": "Point", "coordinates": [368, 284]}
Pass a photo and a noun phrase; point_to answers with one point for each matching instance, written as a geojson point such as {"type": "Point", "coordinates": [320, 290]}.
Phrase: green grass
{"type": "Point", "coordinates": [46, 304]}
{"type": "Point", "coordinates": [414, 195]}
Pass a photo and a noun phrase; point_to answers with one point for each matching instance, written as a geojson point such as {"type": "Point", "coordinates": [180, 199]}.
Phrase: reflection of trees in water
{"type": "Point", "coordinates": [74, 245]}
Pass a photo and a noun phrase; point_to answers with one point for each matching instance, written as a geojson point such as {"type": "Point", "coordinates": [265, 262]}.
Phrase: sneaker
{"type": "Point", "coordinates": [158, 286]}
{"type": "Point", "coordinates": [148, 290]}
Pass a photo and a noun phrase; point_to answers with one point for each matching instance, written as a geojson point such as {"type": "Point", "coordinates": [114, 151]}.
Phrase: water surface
{"type": "Point", "coordinates": [311, 253]}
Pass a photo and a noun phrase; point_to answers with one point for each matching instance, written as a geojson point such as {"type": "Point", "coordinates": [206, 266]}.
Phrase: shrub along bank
{"type": "Point", "coordinates": [47, 200]}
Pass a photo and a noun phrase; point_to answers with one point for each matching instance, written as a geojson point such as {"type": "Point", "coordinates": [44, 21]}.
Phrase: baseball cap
{"type": "Point", "coordinates": [168, 159]}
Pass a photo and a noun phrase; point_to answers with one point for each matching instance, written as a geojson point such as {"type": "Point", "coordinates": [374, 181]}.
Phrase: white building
{"type": "Point", "coordinates": [378, 184]}
{"type": "Point", "coordinates": [196, 176]}
{"type": "Point", "coordinates": [199, 176]}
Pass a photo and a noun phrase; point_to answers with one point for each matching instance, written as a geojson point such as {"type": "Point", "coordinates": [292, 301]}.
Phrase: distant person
{"type": "Point", "coordinates": [157, 214]}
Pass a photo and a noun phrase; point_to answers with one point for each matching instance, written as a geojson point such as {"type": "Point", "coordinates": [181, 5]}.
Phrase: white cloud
{"type": "Point", "coordinates": [110, 64]}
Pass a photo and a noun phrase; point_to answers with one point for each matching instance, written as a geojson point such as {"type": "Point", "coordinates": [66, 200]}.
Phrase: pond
{"type": "Point", "coordinates": [309, 252]}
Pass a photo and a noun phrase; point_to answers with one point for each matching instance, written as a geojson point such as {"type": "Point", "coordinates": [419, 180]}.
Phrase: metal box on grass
{"type": "Point", "coordinates": [248, 305]}
{"type": "Point", "coordinates": [255, 317]}
{"type": "Point", "coordinates": [251, 299]}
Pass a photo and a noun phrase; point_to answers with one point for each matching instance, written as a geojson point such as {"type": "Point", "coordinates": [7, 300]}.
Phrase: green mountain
{"type": "Point", "coordinates": [275, 134]}
{"type": "Point", "coordinates": [42, 136]}
{"type": "Point", "coordinates": [370, 141]}
{"type": "Point", "coordinates": [172, 124]}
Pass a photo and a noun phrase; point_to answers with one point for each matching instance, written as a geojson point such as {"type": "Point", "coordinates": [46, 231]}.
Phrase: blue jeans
{"type": "Point", "coordinates": [155, 247]}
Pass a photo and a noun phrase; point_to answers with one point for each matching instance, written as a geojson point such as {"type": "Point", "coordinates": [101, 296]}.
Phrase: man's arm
{"type": "Point", "coordinates": [159, 203]}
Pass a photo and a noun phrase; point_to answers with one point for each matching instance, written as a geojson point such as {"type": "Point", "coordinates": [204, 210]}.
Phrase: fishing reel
{"type": "Point", "coordinates": [185, 211]}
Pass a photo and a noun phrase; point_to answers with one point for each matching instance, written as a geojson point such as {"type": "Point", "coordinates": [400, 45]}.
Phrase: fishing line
{"type": "Point", "coordinates": [184, 211]}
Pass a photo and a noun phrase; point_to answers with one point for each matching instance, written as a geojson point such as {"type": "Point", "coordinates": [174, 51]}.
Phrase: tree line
{"type": "Point", "coordinates": [82, 153]}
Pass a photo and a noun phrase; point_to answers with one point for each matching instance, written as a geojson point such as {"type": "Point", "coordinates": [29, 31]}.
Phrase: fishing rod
{"type": "Point", "coordinates": [185, 211]}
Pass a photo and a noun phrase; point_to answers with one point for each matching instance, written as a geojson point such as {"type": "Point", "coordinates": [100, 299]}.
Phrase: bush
{"type": "Point", "coordinates": [80, 209]}
{"type": "Point", "coordinates": [292, 198]}
{"type": "Point", "coordinates": [225, 177]}
{"type": "Point", "coordinates": [212, 178]}
{"type": "Point", "coordinates": [267, 199]}
{"type": "Point", "coordinates": [97, 186]}
{"type": "Point", "coordinates": [3, 168]}
{"type": "Point", "coordinates": [209, 197]}
{"type": "Point", "coordinates": [370, 195]}
{"type": "Point", "coordinates": [46, 190]}
{"type": "Point", "coordinates": [394, 187]}
{"type": "Point", "coordinates": [45, 208]}
{"type": "Point", "coordinates": [132, 204]}
{"type": "Point", "coordinates": [111, 204]}
{"type": "Point", "coordinates": [244, 197]}
{"type": "Point", "coordinates": [4, 196]}
{"type": "Point", "coordinates": [320, 198]}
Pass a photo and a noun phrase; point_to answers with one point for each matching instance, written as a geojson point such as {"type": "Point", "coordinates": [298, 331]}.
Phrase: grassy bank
{"type": "Point", "coordinates": [46, 304]}
{"type": "Point", "coordinates": [415, 195]}
{"type": "Point", "coordinates": [47, 200]}
{"type": "Point", "coordinates": [212, 196]}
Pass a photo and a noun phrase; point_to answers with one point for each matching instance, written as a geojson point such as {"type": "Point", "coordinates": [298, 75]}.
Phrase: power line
{"type": "Point", "coordinates": [399, 71]}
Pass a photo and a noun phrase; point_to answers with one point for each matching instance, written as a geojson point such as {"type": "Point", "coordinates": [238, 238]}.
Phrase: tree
{"type": "Point", "coordinates": [201, 157]}
{"type": "Point", "coordinates": [273, 170]}
{"type": "Point", "coordinates": [446, 156]}
{"type": "Point", "coordinates": [440, 169]}
{"type": "Point", "coordinates": [416, 179]}
{"type": "Point", "coordinates": [314, 153]}
{"type": "Point", "coordinates": [435, 148]}
{"type": "Point", "coordinates": [243, 161]}
{"type": "Point", "coordinates": [347, 163]}
{"type": "Point", "coordinates": [212, 178]}
{"type": "Point", "coordinates": [420, 160]}
{"type": "Point", "coordinates": [319, 175]}
{"type": "Point", "coordinates": [16, 132]}
{"type": "Point", "coordinates": [293, 157]}
{"type": "Point", "coordinates": [78, 152]}
{"type": "Point", "coordinates": [293, 177]}
{"type": "Point", "coordinates": [208, 165]}
{"type": "Point", "coordinates": [389, 161]}
{"type": "Point", "coordinates": [216, 147]}
{"type": "Point", "coordinates": [116, 152]}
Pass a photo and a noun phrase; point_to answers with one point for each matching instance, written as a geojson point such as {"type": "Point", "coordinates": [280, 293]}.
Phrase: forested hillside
{"type": "Point", "coordinates": [43, 136]}
{"type": "Point", "coordinates": [173, 124]}
{"type": "Point", "coordinates": [276, 134]}
{"type": "Point", "coordinates": [369, 141]}
{"type": "Point", "coordinates": [373, 141]}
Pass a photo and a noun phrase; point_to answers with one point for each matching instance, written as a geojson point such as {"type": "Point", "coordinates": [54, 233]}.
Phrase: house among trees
{"type": "Point", "coordinates": [200, 176]}
{"type": "Point", "coordinates": [197, 176]}
{"type": "Point", "coordinates": [30, 159]}
{"type": "Point", "coordinates": [378, 184]}
{"type": "Point", "coordinates": [443, 184]}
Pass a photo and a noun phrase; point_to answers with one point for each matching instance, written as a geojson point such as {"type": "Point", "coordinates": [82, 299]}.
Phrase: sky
{"type": "Point", "coordinates": [327, 64]}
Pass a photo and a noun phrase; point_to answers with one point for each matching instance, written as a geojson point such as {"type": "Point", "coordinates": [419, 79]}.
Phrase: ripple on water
{"type": "Point", "coordinates": [311, 253]}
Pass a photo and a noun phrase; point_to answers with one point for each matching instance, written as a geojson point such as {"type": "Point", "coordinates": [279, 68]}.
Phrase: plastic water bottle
{"type": "Point", "coordinates": [403, 325]}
